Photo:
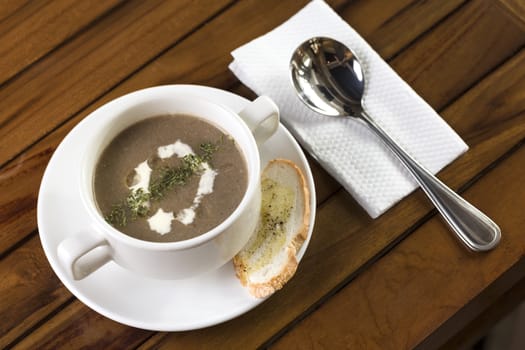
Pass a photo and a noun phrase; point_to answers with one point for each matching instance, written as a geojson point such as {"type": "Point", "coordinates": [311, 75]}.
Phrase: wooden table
{"type": "Point", "coordinates": [399, 281]}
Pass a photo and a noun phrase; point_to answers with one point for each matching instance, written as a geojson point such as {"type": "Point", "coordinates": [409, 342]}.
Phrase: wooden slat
{"type": "Point", "coordinates": [484, 300]}
{"type": "Point", "coordinates": [91, 64]}
{"type": "Point", "coordinates": [8, 8]}
{"type": "Point", "coordinates": [482, 324]}
{"type": "Point", "coordinates": [96, 332]}
{"type": "Point", "coordinates": [425, 280]}
{"type": "Point", "coordinates": [19, 183]}
{"type": "Point", "coordinates": [516, 9]}
{"type": "Point", "coordinates": [30, 30]}
{"type": "Point", "coordinates": [391, 25]}
{"type": "Point", "coordinates": [429, 61]}
{"type": "Point", "coordinates": [29, 290]}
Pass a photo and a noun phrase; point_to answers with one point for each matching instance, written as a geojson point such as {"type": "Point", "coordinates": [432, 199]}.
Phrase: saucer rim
{"type": "Point", "coordinates": [162, 326]}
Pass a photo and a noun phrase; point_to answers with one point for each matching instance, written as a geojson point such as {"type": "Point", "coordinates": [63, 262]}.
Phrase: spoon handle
{"type": "Point", "coordinates": [475, 230]}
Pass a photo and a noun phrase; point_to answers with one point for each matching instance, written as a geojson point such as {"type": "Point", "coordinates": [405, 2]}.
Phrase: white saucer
{"type": "Point", "coordinates": [128, 298]}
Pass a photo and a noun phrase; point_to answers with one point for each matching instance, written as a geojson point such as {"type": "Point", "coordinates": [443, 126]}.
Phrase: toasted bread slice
{"type": "Point", "coordinates": [269, 260]}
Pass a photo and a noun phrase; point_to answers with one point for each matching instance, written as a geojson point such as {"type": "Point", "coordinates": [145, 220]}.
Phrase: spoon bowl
{"type": "Point", "coordinates": [329, 78]}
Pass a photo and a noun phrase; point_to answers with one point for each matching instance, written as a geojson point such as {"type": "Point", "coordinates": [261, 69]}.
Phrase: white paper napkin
{"type": "Point", "coordinates": [345, 147]}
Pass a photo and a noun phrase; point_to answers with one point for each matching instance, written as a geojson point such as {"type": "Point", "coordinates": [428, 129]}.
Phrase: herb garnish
{"type": "Point", "coordinates": [117, 216]}
{"type": "Point", "coordinates": [137, 202]}
{"type": "Point", "coordinates": [178, 176]}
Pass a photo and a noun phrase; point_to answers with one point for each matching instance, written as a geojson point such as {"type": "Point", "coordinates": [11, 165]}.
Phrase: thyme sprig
{"type": "Point", "coordinates": [117, 216]}
{"type": "Point", "coordinates": [137, 203]}
{"type": "Point", "coordinates": [178, 176]}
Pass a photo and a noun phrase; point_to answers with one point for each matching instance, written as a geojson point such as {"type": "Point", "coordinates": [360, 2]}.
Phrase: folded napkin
{"type": "Point", "coordinates": [350, 152]}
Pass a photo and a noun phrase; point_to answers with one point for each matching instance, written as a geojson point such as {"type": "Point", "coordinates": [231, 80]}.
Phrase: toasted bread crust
{"type": "Point", "coordinates": [287, 270]}
{"type": "Point", "coordinates": [262, 290]}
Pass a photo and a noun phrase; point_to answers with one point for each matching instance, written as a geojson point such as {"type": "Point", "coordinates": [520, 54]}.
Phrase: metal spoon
{"type": "Point", "coordinates": [329, 79]}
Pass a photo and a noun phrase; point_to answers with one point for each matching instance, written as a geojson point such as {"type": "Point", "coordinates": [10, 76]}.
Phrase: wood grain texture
{"type": "Point", "coordinates": [391, 25]}
{"type": "Point", "coordinates": [29, 291]}
{"type": "Point", "coordinates": [93, 331]}
{"type": "Point", "coordinates": [29, 30]}
{"type": "Point", "coordinates": [483, 301]}
{"type": "Point", "coordinates": [19, 183]}
{"type": "Point", "coordinates": [147, 73]}
{"type": "Point", "coordinates": [89, 65]}
{"type": "Point", "coordinates": [516, 10]}
{"type": "Point", "coordinates": [489, 116]}
{"type": "Point", "coordinates": [401, 299]}
{"type": "Point", "coordinates": [448, 59]}
{"type": "Point", "coordinates": [8, 8]}
{"type": "Point", "coordinates": [477, 328]}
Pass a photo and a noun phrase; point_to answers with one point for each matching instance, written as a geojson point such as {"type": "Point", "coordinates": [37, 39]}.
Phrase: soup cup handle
{"type": "Point", "coordinates": [82, 254]}
{"type": "Point", "coordinates": [262, 117]}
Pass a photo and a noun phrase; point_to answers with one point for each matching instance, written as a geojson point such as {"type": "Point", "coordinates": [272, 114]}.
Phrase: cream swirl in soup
{"type": "Point", "coordinates": [169, 178]}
